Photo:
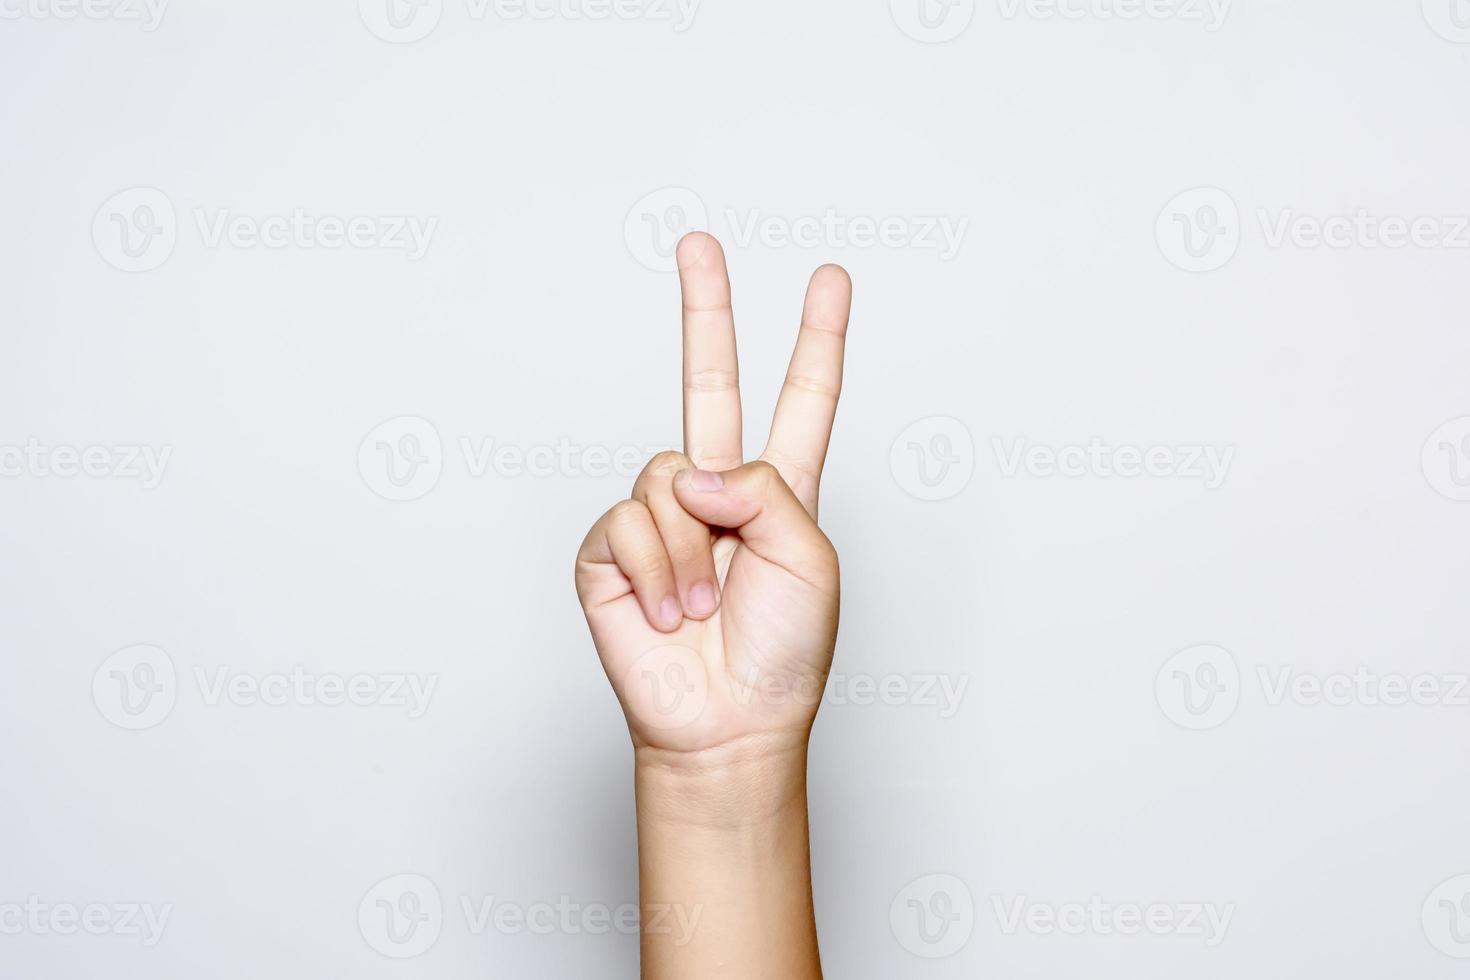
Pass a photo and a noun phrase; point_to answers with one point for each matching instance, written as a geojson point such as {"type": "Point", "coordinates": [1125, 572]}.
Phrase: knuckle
{"type": "Point", "coordinates": [651, 564]}
{"type": "Point", "coordinates": [816, 386]}
{"type": "Point", "coordinates": [765, 473]}
{"type": "Point", "coordinates": [667, 463]}
{"type": "Point", "coordinates": [690, 551]}
{"type": "Point", "coordinates": [627, 514]}
{"type": "Point", "coordinates": [712, 379]}
{"type": "Point", "coordinates": [824, 558]}
{"type": "Point", "coordinates": [718, 462]}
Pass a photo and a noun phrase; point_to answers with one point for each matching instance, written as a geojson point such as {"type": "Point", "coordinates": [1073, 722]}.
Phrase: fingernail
{"type": "Point", "coordinates": [670, 613]}
{"type": "Point", "coordinates": [702, 599]}
{"type": "Point", "coordinates": [706, 480]}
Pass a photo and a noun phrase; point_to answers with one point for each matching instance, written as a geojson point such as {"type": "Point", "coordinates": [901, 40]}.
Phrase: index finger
{"type": "Point", "coordinates": [807, 407]}
{"type": "Point", "coordinates": [711, 369]}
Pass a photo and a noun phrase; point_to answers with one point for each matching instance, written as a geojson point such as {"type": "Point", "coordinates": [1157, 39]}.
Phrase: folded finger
{"type": "Point", "coordinates": [687, 539]}
{"type": "Point", "coordinates": [628, 537]}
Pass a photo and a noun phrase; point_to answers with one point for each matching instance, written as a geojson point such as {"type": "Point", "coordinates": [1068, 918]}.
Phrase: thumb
{"type": "Point", "coordinates": [754, 500]}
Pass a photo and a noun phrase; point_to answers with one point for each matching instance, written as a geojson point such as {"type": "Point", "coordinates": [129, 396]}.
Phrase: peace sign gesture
{"type": "Point", "coordinates": [711, 593]}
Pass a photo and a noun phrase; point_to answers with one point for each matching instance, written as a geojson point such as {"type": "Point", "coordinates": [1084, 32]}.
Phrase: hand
{"type": "Point", "coordinates": [711, 593]}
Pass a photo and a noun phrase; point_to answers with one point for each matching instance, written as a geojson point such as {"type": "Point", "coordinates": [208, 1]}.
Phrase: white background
{"type": "Point", "coordinates": [1072, 767]}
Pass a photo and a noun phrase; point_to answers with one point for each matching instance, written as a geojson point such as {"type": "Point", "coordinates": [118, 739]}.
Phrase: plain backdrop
{"type": "Point", "coordinates": [1137, 187]}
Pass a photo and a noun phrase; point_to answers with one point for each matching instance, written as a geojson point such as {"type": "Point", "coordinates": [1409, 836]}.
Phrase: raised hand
{"type": "Point", "coordinates": [711, 593]}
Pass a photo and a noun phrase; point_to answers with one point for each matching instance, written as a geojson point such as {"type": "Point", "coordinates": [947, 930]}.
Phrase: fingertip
{"type": "Point", "coordinates": [696, 248]}
{"type": "Point", "coordinates": [704, 599]}
{"type": "Point", "coordinates": [670, 615]}
{"type": "Point", "coordinates": [832, 274]}
{"type": "Point", "coordinates": [828, 300]}
{"type": "Point", "coordinates": [699, 481]}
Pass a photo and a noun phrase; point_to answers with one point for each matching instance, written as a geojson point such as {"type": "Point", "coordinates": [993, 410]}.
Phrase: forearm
{"type": "Point", "coordinates": [724, 864]}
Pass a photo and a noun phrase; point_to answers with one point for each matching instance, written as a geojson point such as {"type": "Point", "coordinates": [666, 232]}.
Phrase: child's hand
{"type": "Point", "coordinates": [711, 593]}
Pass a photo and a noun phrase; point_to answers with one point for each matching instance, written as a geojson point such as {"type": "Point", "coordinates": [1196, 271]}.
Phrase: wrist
{"type": "Point", "coordinates": [741, 786]}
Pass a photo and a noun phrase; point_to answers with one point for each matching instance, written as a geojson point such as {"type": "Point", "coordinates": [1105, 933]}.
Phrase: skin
{"type": "Point", "coordinates": [712, 598]}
